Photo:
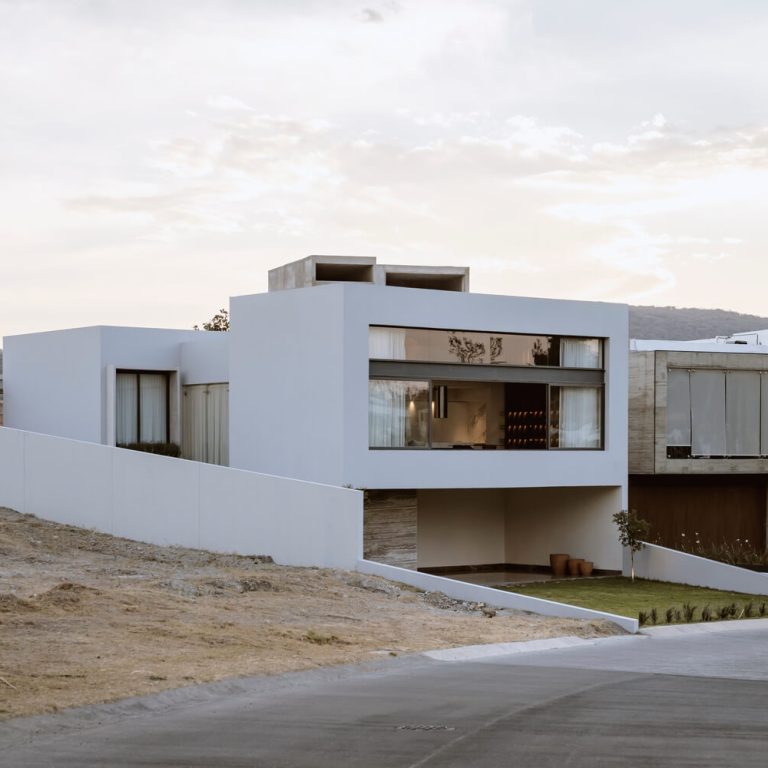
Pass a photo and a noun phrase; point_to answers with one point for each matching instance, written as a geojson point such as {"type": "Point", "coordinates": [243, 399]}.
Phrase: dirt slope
{"type": "Point", "coordinates": [87, 618]}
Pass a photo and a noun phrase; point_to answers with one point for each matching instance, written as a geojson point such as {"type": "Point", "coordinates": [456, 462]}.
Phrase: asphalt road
{"type": "Point", "coordinates": [676, 698]}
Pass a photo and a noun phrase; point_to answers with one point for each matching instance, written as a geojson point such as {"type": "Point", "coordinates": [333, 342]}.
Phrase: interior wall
{"type": "Point", "coordinates": [542, 521]}
{"type": "Point", "coordinates": [460, 527]}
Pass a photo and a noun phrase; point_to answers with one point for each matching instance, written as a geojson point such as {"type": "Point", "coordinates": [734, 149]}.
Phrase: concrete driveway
{"type": "Point", "coordinates": [691, 697]}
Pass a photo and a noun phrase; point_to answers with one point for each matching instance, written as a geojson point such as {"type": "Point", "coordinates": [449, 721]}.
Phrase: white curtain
{"type": "Point", "coordinates": [742, 403]}
{"type": "Point", "coordinates": [127, 403]}
{"type": "Point", "coordinates": [193, 422]}
{"type": "Point", "coordinates": [386, 343]}
{"type": "Point", "coordinates": [764, 414]}
{"type": "Point", "coordinates": [708, 413]}
{"type": "Point", "coordinates": [580, 417]}
{"type": "Point", "coordinates": [580, 353]}
{"type": "Point", "coordinates": [205, 423]}
{"type": "Point", "coordinates": [387, 413]}
{"type": "Point", "coordinates": [153, 399]}
{"type": "Point", "coordinates": [678, 407]}
{"type": "Point", "coordinates": [217, 424]}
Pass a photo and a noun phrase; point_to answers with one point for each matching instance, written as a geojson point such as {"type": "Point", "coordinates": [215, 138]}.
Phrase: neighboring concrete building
{"type": "Point", "coordinates": [487, 430]}
{"type": "Point", "coordinates": [698, 426]}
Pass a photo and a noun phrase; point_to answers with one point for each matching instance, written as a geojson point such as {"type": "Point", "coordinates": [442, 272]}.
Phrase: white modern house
{"type": "Point", "coordinates": [488, 431]}
{"type": "Point", "coordinates": [121, 386]}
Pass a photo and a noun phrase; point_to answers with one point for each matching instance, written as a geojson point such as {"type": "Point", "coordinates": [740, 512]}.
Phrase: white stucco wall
{"type": "Point", "coordinates": [172, 501]}
{"type": "Point", "coordinates": [577, 521]}
{"type": "Point", "coordinates": [53, 384]}
{"type": "Point", "coordinates": [286, 396]}
{"type": "Point", "coordinates": [205, 358]}
{"type": "Point", "coordinates": [663, 564]}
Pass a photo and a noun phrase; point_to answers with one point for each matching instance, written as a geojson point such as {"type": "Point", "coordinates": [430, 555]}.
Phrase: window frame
{"type": "Point", "coordinates": [686, 452]}
{"type": "Point", "coordinates": [432, 382]}
{"type": "Point", "coordinates": [147, 371]}
{"type": "Point", "coordinates": [496, 365]}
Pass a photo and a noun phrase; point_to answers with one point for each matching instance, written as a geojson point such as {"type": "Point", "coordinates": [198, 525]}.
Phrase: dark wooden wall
{"type": "Point", "coordinates": [720, 508]}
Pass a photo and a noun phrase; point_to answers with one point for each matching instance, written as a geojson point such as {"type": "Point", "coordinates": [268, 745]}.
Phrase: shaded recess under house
{"type": "Point", "coordinates": [453, 531]}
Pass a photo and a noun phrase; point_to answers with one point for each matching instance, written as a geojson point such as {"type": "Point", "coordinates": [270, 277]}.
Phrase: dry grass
{"type": "Point", "coordinates": [87, 618]}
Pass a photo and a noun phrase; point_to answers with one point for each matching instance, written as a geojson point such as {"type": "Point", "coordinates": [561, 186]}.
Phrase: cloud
{"type": "Point", "coordinates": [469, 182]}
{"type": "Point", "coordinates": [228, 103]}
{"type": "Point", "coordinates": [371, 15]}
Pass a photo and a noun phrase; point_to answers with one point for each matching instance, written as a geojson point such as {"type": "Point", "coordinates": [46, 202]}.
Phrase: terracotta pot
{"type": "Point", "coordinates": [573, 566]}
{"type": "Point", "coordinates": [559, 564]}
{"type": "Point", "coordinates": [585, 567]}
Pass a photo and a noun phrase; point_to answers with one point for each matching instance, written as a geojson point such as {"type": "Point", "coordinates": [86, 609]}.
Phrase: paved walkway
{"type": "Point", "coordinates": [693, 696]}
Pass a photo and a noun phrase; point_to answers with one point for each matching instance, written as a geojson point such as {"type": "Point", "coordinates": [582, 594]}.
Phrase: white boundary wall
{"type": "Point", "coordinates": [662, 564]}
{"type": "Point", "coordinates": [166, 501]}
{"type": "Point", "coordinates": [461, 590]}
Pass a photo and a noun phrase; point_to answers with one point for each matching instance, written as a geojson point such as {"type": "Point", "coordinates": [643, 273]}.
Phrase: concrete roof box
{"type": "Point", "coordinates": [320, 270]}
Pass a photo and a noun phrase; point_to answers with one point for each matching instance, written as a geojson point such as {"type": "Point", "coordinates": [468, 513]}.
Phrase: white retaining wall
{"type": "Point", "coordinates": [161, 500]}
{"type": "Point", "coordinates": [461, 590]}
{"type": "Point", "coordinates": [662, 564]}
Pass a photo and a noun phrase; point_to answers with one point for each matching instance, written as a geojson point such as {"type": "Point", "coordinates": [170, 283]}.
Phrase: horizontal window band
{"type": "Point", "coordinates": [493, 373]}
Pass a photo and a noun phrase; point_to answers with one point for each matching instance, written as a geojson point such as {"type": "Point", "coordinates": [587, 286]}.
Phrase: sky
{"type": "Point", "coordinates": [159, 156]}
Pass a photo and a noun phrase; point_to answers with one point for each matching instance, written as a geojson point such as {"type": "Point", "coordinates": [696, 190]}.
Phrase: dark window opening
{"type": "Point", "coordinates": [344, 273]}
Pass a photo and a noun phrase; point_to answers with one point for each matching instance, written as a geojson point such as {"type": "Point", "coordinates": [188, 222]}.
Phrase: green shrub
{"type": "Point", "coordinates": [738, 552]}
{"type": "Point", "coordinates": [162, 449]}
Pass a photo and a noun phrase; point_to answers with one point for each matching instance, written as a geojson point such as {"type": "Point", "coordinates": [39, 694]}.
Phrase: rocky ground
{"type": "Point", "coordinates": [86, 617]}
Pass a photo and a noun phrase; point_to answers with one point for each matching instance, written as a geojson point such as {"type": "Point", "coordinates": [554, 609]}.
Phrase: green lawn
{"type": "Point", "coordinates": [619, 595]}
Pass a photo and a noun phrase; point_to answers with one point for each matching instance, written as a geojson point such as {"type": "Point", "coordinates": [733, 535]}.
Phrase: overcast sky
{"type": "Point", "coordinates": [158, 156]}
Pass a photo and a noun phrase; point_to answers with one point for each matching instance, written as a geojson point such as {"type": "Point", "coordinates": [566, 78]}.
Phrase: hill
{"type": "Point", "coordinates": [685, 323]}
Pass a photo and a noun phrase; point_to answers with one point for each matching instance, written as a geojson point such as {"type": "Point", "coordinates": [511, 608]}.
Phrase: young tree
{"type": "Point", "coordinates": [219, 322]}
{"type": "Point", "coordinates": [633, 531]}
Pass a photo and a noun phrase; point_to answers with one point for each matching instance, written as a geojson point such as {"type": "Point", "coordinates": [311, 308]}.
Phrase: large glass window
{"type": "Point", "coordinates": [714, 413]}
{"type": "Point", "coordinates": [467, 414]}
{"type": "Point", "coordinates": [398, 413]}
{"type": "Point", "coordinates": [449, 414]}
{"type": "Point", "coordinates": [482, 348]}
{"type": "Point", "coordinates": [678, 408]}
{"type": "Point", "coordinates": [142, 407]}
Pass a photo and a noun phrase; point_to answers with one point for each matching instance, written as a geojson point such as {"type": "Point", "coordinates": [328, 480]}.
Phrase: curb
{"type": "Point", "coordinates": [491, 650]}
{"type": "Point", "coordinates": [704, 628]}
